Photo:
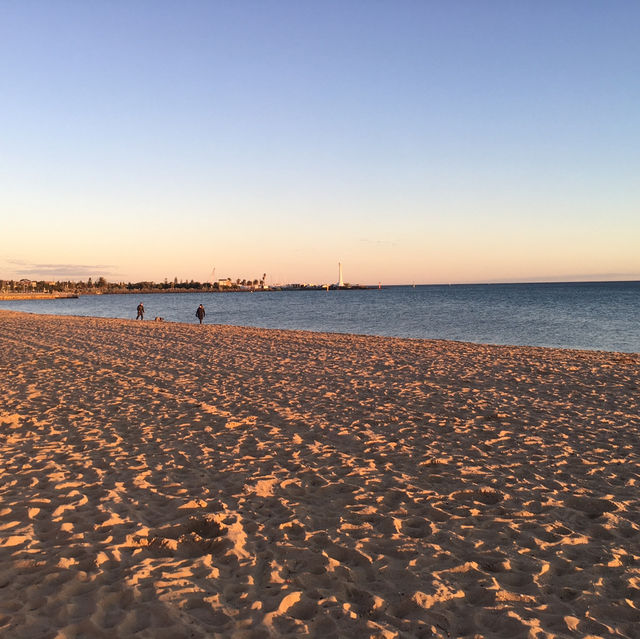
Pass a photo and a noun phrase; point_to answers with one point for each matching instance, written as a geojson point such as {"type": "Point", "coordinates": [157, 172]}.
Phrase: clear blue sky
{"type": "Point", "coordinates": [452, 141]}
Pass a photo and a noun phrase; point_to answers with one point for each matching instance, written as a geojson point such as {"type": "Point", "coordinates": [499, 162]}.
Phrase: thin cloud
{"type": "Point", "coordinates": [378, 242]}
{"type": "Point", "coordinates": [59, 271]}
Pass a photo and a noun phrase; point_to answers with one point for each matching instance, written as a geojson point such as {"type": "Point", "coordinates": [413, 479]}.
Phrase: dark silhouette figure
{"type": "Point", "coordinates": [140, 309]}
{"type": "Point", "coordinates": [200, 313]}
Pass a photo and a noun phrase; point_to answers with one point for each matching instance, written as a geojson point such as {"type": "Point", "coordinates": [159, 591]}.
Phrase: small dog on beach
{"type": "Point", "coordinates": [159, 319]}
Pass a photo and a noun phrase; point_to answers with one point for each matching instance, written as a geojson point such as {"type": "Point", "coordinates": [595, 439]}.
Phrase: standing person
{"type": "Point", "coordinates": [200, 313]}
{"type": "Point", "coordinates": [140, 310]}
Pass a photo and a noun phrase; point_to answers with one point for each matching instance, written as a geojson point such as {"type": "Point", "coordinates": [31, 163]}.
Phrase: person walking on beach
{"type": "Point", "coordinates": [140, 310]}
{"type": "Point", "coordinates": [200, 313]}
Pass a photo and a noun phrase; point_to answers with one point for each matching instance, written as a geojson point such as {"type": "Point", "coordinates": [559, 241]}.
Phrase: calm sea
{"type": "Point", "coordinates": [594, 315]}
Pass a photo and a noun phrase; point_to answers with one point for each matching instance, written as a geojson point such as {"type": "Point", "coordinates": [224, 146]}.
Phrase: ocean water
{"type": "Point", "coordinates": [594, 315]}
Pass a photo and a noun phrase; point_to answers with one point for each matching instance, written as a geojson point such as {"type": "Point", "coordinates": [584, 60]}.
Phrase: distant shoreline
{"type": "Point", "coordinates": [82, 292]}
{"type": "Point", "coordinates": [153, 291]}
{"type": "Point", "coordinates": [7, 297]}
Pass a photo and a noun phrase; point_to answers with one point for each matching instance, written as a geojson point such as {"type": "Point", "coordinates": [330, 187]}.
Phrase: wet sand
{"type": "Point", "coordinates": [165, 481]}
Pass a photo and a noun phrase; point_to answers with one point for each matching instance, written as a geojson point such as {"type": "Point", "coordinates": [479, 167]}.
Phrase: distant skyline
{"type": "Point", "coordinates": [413, 141]}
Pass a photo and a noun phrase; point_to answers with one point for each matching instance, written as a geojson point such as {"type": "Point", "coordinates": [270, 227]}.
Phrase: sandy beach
{"type": "Point", "coordinates": [162, 480]}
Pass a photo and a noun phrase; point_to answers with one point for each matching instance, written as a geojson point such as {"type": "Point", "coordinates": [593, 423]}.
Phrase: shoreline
{"type": "Point", "coordinates": [175, 480]}
{"type": "Point", "coordinates": [12, 314]}
{"type": "Point", "coordinates": [635, 356]}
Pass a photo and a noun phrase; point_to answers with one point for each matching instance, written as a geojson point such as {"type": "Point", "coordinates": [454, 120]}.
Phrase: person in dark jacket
{"type": "Point", "coordinates": [200, 313]}
{"type": "Point", "coordinates": [140, 310]}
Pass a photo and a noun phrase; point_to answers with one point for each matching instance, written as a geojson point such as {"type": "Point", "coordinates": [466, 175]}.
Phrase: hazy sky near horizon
{"type": "Point", "coordinates": [414, 141]}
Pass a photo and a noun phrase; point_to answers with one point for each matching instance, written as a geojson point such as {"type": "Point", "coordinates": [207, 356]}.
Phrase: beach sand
{"type": "Point", "coordinates": [166, 481]}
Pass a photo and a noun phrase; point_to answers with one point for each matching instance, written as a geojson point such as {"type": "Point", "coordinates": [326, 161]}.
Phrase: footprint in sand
{"type": "Point", "coordinates": [416, 527]}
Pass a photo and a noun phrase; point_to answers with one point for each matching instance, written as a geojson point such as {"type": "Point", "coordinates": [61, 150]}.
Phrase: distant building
{"type": "Point", "coordinates": [25, 284]}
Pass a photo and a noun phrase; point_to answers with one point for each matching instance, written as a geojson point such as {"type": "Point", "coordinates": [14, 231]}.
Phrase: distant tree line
{"type": "Point", "coordinates": [101, 285]}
